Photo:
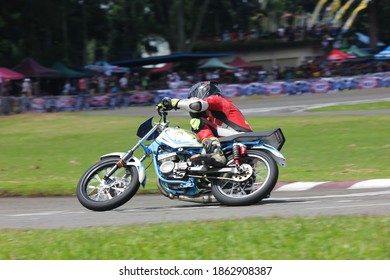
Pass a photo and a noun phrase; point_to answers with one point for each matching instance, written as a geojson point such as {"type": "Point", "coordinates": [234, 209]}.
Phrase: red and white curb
{"type": "Point", "coordinates": [354, 185]}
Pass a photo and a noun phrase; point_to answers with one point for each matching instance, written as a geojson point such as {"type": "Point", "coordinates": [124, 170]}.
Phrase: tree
{"type": "Point", "coordinates": [373, 24]}
{"type": "Point", "coordinates": [381, 16]}
{"type": "Point", "coordinates": [180, 21]}
{"type": "Point", "coordinates": [80, 31]}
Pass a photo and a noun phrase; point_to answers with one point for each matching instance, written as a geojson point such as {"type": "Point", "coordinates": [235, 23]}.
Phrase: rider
{"type": "Point", "coordinates": [212, 116]}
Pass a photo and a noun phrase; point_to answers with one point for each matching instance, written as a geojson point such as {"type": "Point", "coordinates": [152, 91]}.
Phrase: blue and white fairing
{"type": "Point", "coordinates": [178, 138]}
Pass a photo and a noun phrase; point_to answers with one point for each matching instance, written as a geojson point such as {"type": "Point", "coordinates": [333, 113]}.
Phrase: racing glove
{"type": "Point", "coordinates": [168, 104]}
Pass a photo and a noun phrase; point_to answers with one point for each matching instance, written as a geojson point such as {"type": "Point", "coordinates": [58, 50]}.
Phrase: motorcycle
{"type": "Point", "coordinates": [250, 174]}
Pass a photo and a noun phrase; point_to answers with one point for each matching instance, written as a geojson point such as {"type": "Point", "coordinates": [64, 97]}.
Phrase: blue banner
{"type": "Point", "coordinates": [9, 104]}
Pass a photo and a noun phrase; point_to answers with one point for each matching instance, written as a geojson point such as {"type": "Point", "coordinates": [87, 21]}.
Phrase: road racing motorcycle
{"type": "Point", "coordinates": [249, 175]}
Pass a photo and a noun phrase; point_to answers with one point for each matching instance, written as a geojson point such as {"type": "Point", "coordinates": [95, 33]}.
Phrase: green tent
{"type": "Point", "coordinates": [65, 72]}
{"type": "Point", "coordinates": [356, 51]}
{"type": "Point", "coordinates": [215, 63]}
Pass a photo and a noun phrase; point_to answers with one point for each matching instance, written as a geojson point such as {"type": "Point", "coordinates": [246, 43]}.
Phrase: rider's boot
{"type": "Point", "coordinates": [214, 155]}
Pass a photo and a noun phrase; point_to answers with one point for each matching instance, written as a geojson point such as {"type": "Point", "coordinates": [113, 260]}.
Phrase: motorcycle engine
{"type": "Point", "coordinates": [172, 166]}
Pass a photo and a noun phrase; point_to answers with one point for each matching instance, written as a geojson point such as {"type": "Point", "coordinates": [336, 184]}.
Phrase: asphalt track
{"type": "Point", "coordinates": [278, 105]}
{"type": "Point", "coordinates": [371, 197]}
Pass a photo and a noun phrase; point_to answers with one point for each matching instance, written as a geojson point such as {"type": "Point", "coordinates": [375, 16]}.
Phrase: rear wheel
{"type": "Point", "coordinates": [260, 182]}
{"type": "Point", "coordinates": [96, 194]}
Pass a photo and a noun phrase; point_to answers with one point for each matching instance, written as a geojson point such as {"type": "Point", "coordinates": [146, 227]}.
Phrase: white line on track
{"type": "Point", "coordinates": [36, 214]}
{"type": "Point", "coordinates": [349, 206]}
{"type": "Point", "coordinates": [305, 199]}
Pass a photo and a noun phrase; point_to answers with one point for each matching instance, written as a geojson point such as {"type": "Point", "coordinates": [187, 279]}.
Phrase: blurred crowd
{"type": "Point", "coordinates": [142, 79]}
{"type": "Point", "coordinates": [284, 32]}
{"type": "Point", "coordinates": [180, 78]}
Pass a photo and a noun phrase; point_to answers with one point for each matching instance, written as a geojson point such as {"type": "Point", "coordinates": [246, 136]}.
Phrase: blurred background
{"type": "Point", "coordinates": [160, 44]}
{"type": "Point", "coordinates": [79, 32]}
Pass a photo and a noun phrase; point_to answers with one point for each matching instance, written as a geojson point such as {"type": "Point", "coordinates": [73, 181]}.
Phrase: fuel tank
{"type": "Point", "coordinates": [176, 137]}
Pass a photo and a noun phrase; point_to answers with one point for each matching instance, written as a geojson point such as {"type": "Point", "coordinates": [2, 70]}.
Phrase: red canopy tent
{"type": "Point", "coordinates": [30, 68]}
{"type": "Point", "coordinates": [9, 74]}
{"type": "Point", "coordinates": [241, 63]}
{"type": "Point", "coordinates": [338, 55]}
{"type": "Point", "coordinates": [166, 68]}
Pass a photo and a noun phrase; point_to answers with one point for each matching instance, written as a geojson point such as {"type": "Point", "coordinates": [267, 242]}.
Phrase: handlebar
{"type": "Point", "coordinates": [162, 113]}
{"type": "Point", "coordinates": [166, 103]}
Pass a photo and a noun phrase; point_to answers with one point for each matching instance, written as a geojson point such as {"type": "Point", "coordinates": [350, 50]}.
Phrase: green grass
{"type": "Point", "coordinates": [45, 154]}
{"type": "Point", "coordinates": [354, 107]}
{"type": "Point", "coordinates": [331, 238]}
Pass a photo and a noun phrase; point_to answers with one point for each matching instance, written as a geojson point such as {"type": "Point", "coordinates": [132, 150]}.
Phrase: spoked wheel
{"type": "Point", "coordinates": [259, 176]}
{"type": "Point", "coordinates": [96, 194]}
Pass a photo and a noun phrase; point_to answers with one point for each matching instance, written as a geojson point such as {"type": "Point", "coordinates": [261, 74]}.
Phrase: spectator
{"type": "Point", "coordinates": [124, 82]}
{"type": "Point", "coordinates": [67, 88]}
{"type": "Point", "coordinates": [27, 87]}
{"type": "Point", "coordinates": [101, 84]}
{"type": "Point", "coordinates": [94, 85]}
{"type": "Point", "coordinates": [226, 36]}
{"type": "Point", "coordinates": [241, 35]}
{"type": "Point", "coordinates": [262, 75]}
{"type": "Point", "coordinates": [82, 86]}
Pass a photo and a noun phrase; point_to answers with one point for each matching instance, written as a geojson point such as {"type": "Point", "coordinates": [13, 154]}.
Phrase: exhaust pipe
{"type": "Point", "coordinates": [205, 198]}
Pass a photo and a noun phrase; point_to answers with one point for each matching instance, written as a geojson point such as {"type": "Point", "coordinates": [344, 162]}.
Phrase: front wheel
{"type": "Point", "coordinates": [96, 194]}
{"type": "Point", "coordinates": [262, 179]}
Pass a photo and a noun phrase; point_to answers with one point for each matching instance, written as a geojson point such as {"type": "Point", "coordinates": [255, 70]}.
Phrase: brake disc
{"type": "Point", "coordinates": [246, 171]}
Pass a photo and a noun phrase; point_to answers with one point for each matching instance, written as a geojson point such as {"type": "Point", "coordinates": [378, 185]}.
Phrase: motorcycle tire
{"type": "Point", "coordinates": [257, 187]}
{"type": "Point", "coordinates": [95, 194]}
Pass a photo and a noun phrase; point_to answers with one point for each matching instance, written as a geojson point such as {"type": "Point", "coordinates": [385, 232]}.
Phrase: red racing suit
{"type": "Point", "coordinates": [222, 118]}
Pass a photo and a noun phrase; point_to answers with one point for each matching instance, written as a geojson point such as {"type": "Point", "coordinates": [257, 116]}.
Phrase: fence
{"type": "Point", "coordinates": [11, 104]}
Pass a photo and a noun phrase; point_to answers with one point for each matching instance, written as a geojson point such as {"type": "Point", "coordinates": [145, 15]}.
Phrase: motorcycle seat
{"type": "Point", "coordinates": [273, 137]}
